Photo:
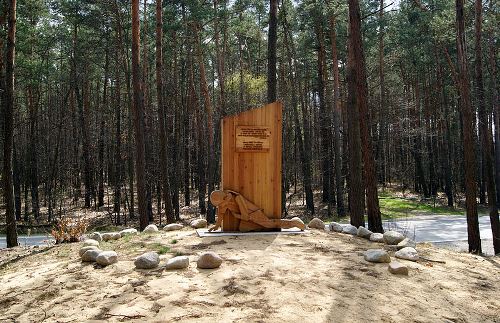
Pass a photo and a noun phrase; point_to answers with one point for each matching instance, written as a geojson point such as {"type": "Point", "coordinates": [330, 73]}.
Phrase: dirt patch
{"type": "Point", "coordinates": [311, 278]}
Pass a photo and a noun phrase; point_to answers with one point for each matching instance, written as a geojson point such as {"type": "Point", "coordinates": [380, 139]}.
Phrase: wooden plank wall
{"type": "Point", "coordinates": [255, 175]}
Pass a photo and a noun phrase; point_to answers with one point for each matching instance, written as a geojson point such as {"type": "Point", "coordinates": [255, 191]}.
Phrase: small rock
{"type": "Point", "coordinates": [91, 242]}
{"type": "Point", "coordinates": [150, 229]}
{"type": "Point", "coordinates": [199, 223]}
{"type": "Point", "coordinates": [336, 227]}
{"type": "Point", "coordinates": [296, 218]}
{"type": "Point", "coordinates": [316, 224]}
{"type": "Point", "coordinates": [209, 260]}
{"type": "Point", "coordinates": [173, 227]}
{"type": "Point", "coordinates": [397, 268]}
{"type": "Point", "coordinates": [107, 236]}
{"type": "Point", "coordinates": [364, 233]}
{"type": "Point", "coordinates": [350, 229]}
{"type": "Point", "coordinates": [149, 260]}
{"type": "Point", "coordinates": [377, 237]}
{"type": "Point", "coordinates": [106, 258]}
{"type": "Point", "coordinates": [127, 232]}
{"type": "Point", "coordinates": [377, 255]}
{"type": "Point", "coordinates": [95, 236]}
{"type": "Point", "coordinates": [84, 249]}
{"type": "Point", "coordinates": [393, 237]}
{"type": "Point", "coordinates": [407, 253]}
{"type": "Point", "coordinates": [91, 255]}
{"type": "Point", "coordinates": [406, 243]}
{"type": "Point", "coordinates": [179, 262]}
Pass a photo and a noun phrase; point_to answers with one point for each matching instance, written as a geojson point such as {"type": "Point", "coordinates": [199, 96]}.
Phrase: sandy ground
{"type": "Point", "coordinates": [318, 277]}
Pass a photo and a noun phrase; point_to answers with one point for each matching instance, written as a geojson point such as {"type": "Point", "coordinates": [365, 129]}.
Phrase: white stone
{"type": "Point", "coordinates": [336, 227]}
{"type": "Point", "coordinates": [95, 236]}
{"type": "Point", "coordinates": [209, 260]}
{"type": "Point", "coordinates": [316, 223]}
{"type": "Point", "coordinates": [406, 243]}
{"type": "Point", "coordinates": [199, 223]}
{"type": "Point", "coordinates": [150, 229]}
{"type": "Point", "coordinates": [106, 258]}
{"type": "Point", "coordinates": [393, 237]}
{"type": "Point", "coordinates": [350, 229]}
{"type": "Point", "coordinates": [364, 232]}
{"type": "Point", "coordinates": [84, 249]}
{"type": "Point", "coordinates": [179, 262]}
{"type": "Point", "coordinates": [407, 253]}
{"type": "Point", "coordinates": [173, 227]}
{"type": "Point", "coordinates": [149, 260]}
{"type": "Point", "coordinates": [377, 255]}
{"type": "Point", "coordinates": [377, 237]}
{"type": "Point", "coordinates": [397, 268]}
{"type": "Point", "coordinates": [91, 242]}
{"type": "Point", "coordinates": [91, 255]}
{"type": "Point", "coordinates": [127, 232]}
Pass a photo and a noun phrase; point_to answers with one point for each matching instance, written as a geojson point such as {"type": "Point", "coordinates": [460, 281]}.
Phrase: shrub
{"type": "Point", "coordinates": [67, 230]}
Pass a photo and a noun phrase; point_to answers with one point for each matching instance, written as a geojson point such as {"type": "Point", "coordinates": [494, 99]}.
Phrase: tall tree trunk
{"type": "Point", "coordinates": [8, 143]}
{"type": "Point", "coordinates": [169, 213]}
{"type": "Point", "coordinates": [271, 51]}
{"type": "Point", "coordinates": [324, 118]}
{"type": "Point", "coordinates": [383, 110]}
{"type": "Point", "coordinates": [486, 143]}
{"type": "Point", "coordinates": [209, 114]}
{"type": "Point", "coordinates": [361, 103]}
{"type": "Point", "coordinates": [339, 183]}
{"type": "Point", "coordinates": [356, 191]}
{"type": "Point", "coordinates": [468, 120]}
{"type": "Point", "coordinates": [138, 117]}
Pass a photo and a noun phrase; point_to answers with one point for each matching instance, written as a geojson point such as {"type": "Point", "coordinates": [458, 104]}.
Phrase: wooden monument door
{"type": "Point", "coordinates": [251, 159]}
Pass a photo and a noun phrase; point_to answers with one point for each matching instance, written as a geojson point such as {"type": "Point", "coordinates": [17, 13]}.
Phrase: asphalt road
{"type": "Point", "coordinates": [445, 231]}
{"type": "Point", "coordinates": [33, 240]}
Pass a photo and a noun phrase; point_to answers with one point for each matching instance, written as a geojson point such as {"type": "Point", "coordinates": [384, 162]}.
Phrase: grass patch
{"type": "Point", "coordinates": [160, 248]}
{"type": "Point", "coordinates": [394, 207]}
{"type": "Point", "coordinates": [174, 241]}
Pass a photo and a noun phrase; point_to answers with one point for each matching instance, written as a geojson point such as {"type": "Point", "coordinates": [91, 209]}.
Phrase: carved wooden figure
{"type": "Point", "coordinates": [252, 218]}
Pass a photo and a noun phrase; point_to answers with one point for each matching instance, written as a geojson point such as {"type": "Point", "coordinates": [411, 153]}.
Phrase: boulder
{"type": "Point", "coordinates": [106, 258]}
{"type": "Point", "coordinates": [316, 224]}
{"type": "Point", "coordinates": [364, 233]}
{"type": "Point", "coordinates": [336, 227]}
{"type": "Point", "coordinates": [149, 260]}
{"type": "Point", "coordinates": [406, 243]}
{"type": "Point", "coordinates": [95, 236]}
{"type": "Point", "coordinates": [393, 237]}
{"type": "Point", "coordinates": [150, 229]}
{"type": "Point", "coordinates": [86, 248]}
{"type": "Point", "coordinates": [199, 223]}
{"type": "Point", "coordinates": [173, 227]}
{"type": "Point", "coordinates": [377, 237]}
{"type": "Point", "coordinates": [377, 255]}
{"type": "Point", "coordinates": [397, 268]}
{"type": "Point", "coordinates": [179, 262]}
{"type": "Point", "coordinates": [407, 253]}
{"type": "Point", "coordinates": [209, 260]}
{"type": "Point", "coordinates": [350, 229]}
{"type": "Point", "coordinates": [91, 255]}
{"type": "Point", "coordinates": [127, 232]}
{"type": "Point", "coordinates": [91, 242]}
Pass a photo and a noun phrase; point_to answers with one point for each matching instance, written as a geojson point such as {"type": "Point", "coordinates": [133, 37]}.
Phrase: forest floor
{"type": "Point", "coordinates": [314, 277]}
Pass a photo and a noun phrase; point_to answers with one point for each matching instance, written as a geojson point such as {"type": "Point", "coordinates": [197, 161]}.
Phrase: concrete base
{"type": "Point", "coordinates": [202, 233]}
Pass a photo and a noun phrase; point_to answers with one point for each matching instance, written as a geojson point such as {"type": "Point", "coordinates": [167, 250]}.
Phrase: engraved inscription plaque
{"type": "Point", "coordinates": [252, 138]}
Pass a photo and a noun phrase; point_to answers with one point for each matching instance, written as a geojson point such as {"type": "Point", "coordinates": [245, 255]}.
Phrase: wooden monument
{"type": "Point", "coordinates": [250, 197]}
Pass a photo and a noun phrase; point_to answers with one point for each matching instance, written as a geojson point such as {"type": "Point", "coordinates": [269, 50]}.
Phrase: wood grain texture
{"type": "Point", "coordinates": [255, 175]}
